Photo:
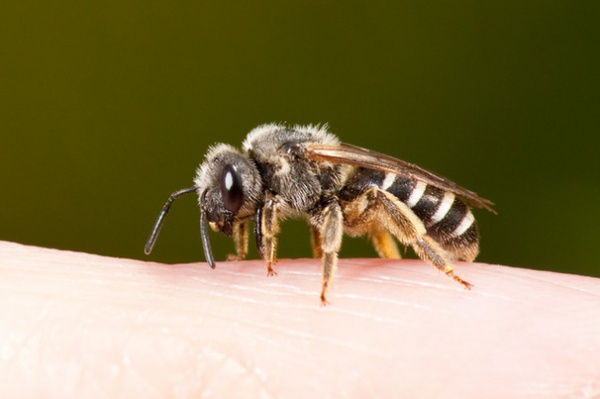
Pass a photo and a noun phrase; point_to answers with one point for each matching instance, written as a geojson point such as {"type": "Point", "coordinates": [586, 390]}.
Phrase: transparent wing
{"type": "Point", "coordinates": [361, 157]}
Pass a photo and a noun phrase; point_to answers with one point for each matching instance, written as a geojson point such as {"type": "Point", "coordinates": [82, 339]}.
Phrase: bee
{"type": "Point", "coordinates": [306, 172]}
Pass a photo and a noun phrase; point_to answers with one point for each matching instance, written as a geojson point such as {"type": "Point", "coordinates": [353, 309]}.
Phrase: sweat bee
{"type": "Point", "coordinates": [306, 172]}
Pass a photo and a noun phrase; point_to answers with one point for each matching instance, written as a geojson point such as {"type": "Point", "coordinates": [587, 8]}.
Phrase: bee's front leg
{"type": "Point", "coordinates": [266, 226]}
{"type": "Point", "coordinates": [331, 231]}
{"type": "Point", "coordinates": [240, 239]}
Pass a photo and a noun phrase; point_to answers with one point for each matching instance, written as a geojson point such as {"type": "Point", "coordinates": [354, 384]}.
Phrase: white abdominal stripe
{"type": "Point", "coordinates": [443, 214]}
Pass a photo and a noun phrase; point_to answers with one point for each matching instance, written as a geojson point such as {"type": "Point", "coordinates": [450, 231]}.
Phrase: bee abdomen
{"type": "Point", "coordinates": [447, 219]}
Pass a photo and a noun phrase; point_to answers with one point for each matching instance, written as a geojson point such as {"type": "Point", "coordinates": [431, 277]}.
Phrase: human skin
{"type": "Point", "coordinates": [81, 325]}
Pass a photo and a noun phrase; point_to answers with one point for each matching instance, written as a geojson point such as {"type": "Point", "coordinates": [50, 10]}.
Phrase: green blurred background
{"type": "Point", "coordinates": [108, 107]}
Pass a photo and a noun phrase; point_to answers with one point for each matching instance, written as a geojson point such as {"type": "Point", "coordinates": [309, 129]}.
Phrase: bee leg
{"type": "Point", "coordinates": [331, 231]}
{"type": "Point", "coordinates": [240, 239]}
{"type": "Point", "coordinates": [267, 227]}
{"type": "Point", "coordinates": [384, 244]}
{"type": "Point", "coordinates": [409, 229]}
{"type": "Point", "coordinates": [429, 250]}
{"type": "Point", "coordinates": [315, 242]}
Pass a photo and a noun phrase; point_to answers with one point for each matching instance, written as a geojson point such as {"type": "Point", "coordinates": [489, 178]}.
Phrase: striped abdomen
{"type": "Point", "coordinates": [447, 219]}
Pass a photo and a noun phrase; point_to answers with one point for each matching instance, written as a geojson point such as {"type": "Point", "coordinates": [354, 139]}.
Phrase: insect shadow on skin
{"type": "Point", "coordinates": [306, 172]}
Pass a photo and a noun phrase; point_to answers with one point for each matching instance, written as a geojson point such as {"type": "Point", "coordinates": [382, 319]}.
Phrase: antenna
{"type": "Point", "coordinates": [204, 233]}
{"type": "Point", "coordinates": [161, 218]}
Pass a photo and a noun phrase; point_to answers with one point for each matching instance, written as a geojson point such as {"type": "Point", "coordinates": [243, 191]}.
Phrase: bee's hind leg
{"type": "Point", "coordinates": [429, 250]}
{"type": "Point", "coordinates": [409, 229]}
{"type": "Point", "coordinates": [384, 244]}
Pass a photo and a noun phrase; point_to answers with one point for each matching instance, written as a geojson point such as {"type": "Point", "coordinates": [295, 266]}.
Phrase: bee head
{"type": "Point", "coordinates": [228, 186]}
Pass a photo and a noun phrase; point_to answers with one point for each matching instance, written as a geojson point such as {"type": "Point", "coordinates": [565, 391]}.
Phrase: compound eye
{"type": "Point", "coordinates": [231, 189]}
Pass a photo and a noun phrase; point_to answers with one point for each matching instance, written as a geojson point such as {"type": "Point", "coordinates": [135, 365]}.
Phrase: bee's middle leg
{"type": "Point", "coordinates": [331, 231]}
{"type": "Point", "coordinates": [315, 242]}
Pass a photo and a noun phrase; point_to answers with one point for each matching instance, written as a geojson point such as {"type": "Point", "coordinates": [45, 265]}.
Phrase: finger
{"type": "Point", "coordinates": [99, 326]}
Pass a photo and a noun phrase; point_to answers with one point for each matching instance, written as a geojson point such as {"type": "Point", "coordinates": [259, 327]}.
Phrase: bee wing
{"type": "Point", "coordinates": [361, 157]}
